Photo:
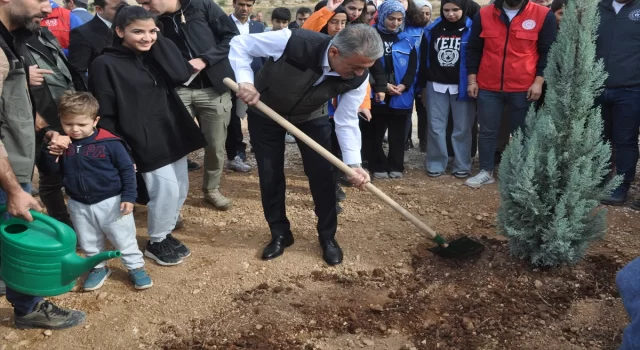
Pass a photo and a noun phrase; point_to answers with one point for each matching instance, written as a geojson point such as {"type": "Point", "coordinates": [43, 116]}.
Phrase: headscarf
{"type": "Point", "coordinates": [388, 7]}
{"type": "Point", "coordinates": [422, 3]}
{"type": "Point", "coordinates": [463, 5]}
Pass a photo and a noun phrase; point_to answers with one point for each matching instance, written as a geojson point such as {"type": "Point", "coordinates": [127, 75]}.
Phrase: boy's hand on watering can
{"type": "Point", "coordinates": [19, 203]}
{"type": "Point", "coordinates": [126, 208]}
{"type": "Point", "coordinates": [360, 179]}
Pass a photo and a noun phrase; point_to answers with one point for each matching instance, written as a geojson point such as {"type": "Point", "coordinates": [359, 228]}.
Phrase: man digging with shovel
{"type": "Point", "coordinates": [305, 70]}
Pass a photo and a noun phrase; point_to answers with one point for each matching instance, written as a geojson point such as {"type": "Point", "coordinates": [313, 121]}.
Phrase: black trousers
{"type": "Point", "coordinates": [267, 140]}
{"type": "Point", "coordinates": [234, 144]}
{"type": "Point", "coordinates": [50, 188]}
{"type": "Point", "coordinates": [395, 121]}
{"type": "Point", "coordinates": [367, 136]}
{"type": "Point", "coordinates": [335, 149]}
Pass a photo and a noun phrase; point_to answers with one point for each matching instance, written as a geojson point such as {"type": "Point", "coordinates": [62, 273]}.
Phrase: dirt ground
{"type": "Point", "coordinates": [390, 292]}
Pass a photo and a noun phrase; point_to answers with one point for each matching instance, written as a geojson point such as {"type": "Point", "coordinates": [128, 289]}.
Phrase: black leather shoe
{"type": "Point", "coordinates": [332, 253]}
{"type": "Point", "coordinates": [275, 248]}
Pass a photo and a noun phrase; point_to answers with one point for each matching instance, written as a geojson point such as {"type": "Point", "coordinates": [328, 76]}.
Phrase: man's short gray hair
{"type": "Point", "coordinates": [358, 39]}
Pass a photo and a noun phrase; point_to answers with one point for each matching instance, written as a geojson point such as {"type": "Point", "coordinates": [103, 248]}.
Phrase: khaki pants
{"type": "Point", "coordinates": [212, 111]}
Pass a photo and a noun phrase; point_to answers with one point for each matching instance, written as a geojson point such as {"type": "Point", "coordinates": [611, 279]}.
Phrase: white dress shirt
{"type": "Point", "coordinates": [105, 21]}
{"type": "Point", "coordinates": [272, 44]}
{"type": "Point", "coordinates": [242, 28]}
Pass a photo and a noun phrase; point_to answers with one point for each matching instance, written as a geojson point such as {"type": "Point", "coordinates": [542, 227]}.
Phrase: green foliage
{"type": "Point", "coordinates": [551, 176]}
{"type": "Point", "coordinates": [222, 2]}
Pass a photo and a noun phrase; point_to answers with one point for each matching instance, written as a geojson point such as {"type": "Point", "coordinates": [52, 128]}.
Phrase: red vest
{"type": "Point", "coordinates": [59, 23]}
{"type": "Point", "coordinates": [510, 55]}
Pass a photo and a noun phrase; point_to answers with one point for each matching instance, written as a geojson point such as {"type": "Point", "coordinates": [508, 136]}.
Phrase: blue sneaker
{"type": "Point", "coordinates": [96, 279]}
{"type": "Point", "coordinates": [140, 278]}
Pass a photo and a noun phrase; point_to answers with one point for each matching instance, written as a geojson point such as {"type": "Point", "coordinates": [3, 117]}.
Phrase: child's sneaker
{"type": "Point", "coordinates": [162, 253]}
{"type": "Point", "coordinates": [140, 278]}
{"type": "Point", "coordinates": [381, 175]}
{"type": "Point", "coordinates": [96, 279]}
{"type": "Point", "coordinates": [483, 178]}
{"type": "Point", "coordinates": [395, 175]}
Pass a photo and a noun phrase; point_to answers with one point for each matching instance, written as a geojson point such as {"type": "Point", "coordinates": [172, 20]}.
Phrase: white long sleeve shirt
{"type": "Point", "coordinates": [272, 44]}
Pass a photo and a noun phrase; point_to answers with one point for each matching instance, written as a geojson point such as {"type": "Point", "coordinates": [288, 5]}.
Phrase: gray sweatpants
{"type": "Point", "coordinates": [94, 222]}
{"type": "Point", "coordinates": [167, 188]}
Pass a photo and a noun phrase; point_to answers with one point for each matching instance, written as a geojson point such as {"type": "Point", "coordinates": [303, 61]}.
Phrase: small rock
{"type": "Point", "coordinates": [263, 286]}
{"type": "Point", "coordinates": [368, 342]}
{"type": "Point", "coordinates": [245, 265]}
{"type": "Point", "coordinates": [574, 329]}
{"type": "Point", "coordinates": [479, 217]}
{"type": "Point", "coordinates": [538, 284]}
{"type": "Point", "coordinates": [444, 212]}
{"type": "Point", "coordinates": [101, 296]}
{"type": "Point", "coordinates": [12, 336]}
{"type": "Point", "coordinates": [87, 326]}
{"type": "Point", "coordinates": [23, 343]}
{"type": "Point", "coordinates": [376, 308]}
{"type": "Point", "coordinates": [278, 289]}
{"type": "Point", "coordinates": [47, 332]}
{"type": "Point", "coordinates": [258, 326]}
{"type": "Point", "coordinates": [468, 324]}
{"type": "Point", "coordinates": [195, 291]}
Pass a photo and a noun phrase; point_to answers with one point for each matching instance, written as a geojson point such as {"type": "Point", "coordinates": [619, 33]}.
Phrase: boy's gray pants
{"type": "Point", "coordinates": [95, 222]}
{"type": "Point", "coordinates": [168, 188]}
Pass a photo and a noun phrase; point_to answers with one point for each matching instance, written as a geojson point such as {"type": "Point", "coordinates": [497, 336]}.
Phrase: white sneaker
{"type": "Point", "coordinates": [381, 175]}
{"type": "Point", "coordinates": [483, 178]}
{"type": "Point", "coordinates": [288, 138]}
{"type": "Point", "coordinates": [238, 165]}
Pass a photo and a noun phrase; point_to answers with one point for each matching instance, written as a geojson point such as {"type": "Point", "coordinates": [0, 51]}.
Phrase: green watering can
{"type": "Point", "coordinates": [39, 257]}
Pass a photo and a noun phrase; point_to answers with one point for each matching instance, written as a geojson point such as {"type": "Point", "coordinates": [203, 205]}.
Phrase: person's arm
{"type": "Point", "coordinates": [245, 47]}
{"type": "Point", "coordinates": [79, 53]}
{"type": "Point", "coordinates": [224, 30]}
{"type": "Point", "coordinates": [122, 161]}
{"type": "Point", "coordinates": [347, 123]}
{"type": "Point", "coordinates": [379, 78]}
{"type": "Point", "coordinates": [318, 19]}
{"type": "Point", "coordinates": [48, 164]}
{"type": "Point", "coordinates": [412, 69]}
{"type": "Point", "coordinates": [546, 37]}
{"type": "Point", "coordinates": [19, 202]}
{"type": "Point", "coordinates": [170, 62]}
{"type": "Point", "coordinates": [474, 47]}
{"type": "Point", "coordinates": [101, 88]}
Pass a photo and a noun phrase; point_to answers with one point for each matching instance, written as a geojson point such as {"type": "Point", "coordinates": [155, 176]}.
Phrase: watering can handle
{"type": "Point", "coordinates": [55, 224]}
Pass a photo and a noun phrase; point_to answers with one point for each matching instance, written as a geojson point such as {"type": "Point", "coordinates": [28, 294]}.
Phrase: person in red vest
{"type": "Point", "coordinates": [506, 57]}
{"type": "Point", "coordinates": [60, 22]}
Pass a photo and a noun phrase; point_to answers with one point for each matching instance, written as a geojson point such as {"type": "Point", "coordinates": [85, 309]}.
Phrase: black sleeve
{"type": "Point", "coordinates": [475, 46]}
{"type": "Point", "coordinates": [379, 78]}
{"type": "Point", "coordinates": [79, 53]}
{"type": "Point", "coordinates": [170, 62]}
{"type": "Point", "coordinates": [546, 37]}
{"type": "Point", "coordinates": [422, 72]}
{"type": "Point", "coordinates": [412, 69]}
{"type": "Point", "coordinates": [224, 30]}
{"type": "Point", "coordinates": [102, 89]}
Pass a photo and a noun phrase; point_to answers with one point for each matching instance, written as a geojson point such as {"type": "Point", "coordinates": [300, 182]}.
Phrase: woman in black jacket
{"type": "Point", "coordinates": [133, 80]}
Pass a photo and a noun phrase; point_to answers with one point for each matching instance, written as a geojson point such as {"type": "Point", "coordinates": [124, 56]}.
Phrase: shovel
{"type": "Point", "coordinates": [460, 248]}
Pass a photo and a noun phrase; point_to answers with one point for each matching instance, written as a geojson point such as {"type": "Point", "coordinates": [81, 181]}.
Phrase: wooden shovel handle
{"type": "Point", "coordinates": [339, 164]}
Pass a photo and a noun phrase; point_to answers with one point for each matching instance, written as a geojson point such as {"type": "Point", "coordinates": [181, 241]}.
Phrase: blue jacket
{"type": "Point", "coordinates": [94, 169]}
{"type": "Point", "coordinates": [464, 79]}
{"type": "Point", "coordinates": [628, 281]}
{"type": "Point", "coordinates": [400, 52]}
{"type": "Point", "coordinates": [82, 14]}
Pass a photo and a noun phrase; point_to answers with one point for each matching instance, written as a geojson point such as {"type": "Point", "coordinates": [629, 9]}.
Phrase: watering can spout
{"type": "Point", "coordinates": [73, 265]}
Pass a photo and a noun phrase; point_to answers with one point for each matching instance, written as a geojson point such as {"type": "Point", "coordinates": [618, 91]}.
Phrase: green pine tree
{"type": "Point", "coordinates": [551, 176]}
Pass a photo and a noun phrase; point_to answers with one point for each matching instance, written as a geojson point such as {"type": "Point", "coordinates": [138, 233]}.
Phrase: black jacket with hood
{"type": "Point", "coordinates": [139, 104]}
{"type": "Point", "coordinates": [206, 31]}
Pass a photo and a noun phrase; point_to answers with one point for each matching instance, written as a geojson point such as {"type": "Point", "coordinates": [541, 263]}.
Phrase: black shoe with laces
{"type": "Point", "coordinates": [178, 246]}
{"type": "Point", "coordinates": [191, 165]}
{"type": "Point", "coordinates": [162, 253]}
{"type": "Point", "coordinates": [332, 253]}
{"type": "Point", "coordinates": [48, 315]}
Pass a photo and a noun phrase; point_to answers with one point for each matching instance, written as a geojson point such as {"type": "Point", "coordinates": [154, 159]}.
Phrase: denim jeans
{"type": "Point", "coordinates": [628, 282]}
{"type": "Point", "coordinates": [464, 113]}
{"type": "Point", "coordinates": [22, 303]}
{"type": "Point", "coordinates": [621, 116]}
{"type": "Point", "coordinates": [491, 106]}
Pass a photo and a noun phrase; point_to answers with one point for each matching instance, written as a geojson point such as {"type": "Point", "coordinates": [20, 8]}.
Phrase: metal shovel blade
{"type": "Point", "coordinates": [463, 247]}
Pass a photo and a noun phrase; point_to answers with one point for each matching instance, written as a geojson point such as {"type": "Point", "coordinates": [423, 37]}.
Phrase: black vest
{"type": "Point", "coordinates": [286, 85]}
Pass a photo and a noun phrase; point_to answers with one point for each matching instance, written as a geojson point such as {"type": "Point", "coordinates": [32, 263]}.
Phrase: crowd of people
{"type": "Point", "coordinates": [108, 107]}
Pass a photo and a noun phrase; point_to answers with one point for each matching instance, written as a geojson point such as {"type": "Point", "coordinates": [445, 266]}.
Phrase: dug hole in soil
{"type": "Point", "coordinates": [390, 292]}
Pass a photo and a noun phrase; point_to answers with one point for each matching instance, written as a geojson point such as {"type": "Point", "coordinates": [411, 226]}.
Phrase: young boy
{"type": "Point", "coordinates": [99, 177]}
{"type": "Point", "coordinates": [280, 18]}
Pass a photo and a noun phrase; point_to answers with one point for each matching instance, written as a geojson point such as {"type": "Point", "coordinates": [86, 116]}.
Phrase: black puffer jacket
{"type": "Point", "coordinates": [139, 104]}
{"type": "Point", "coordinates": [207, 32]}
